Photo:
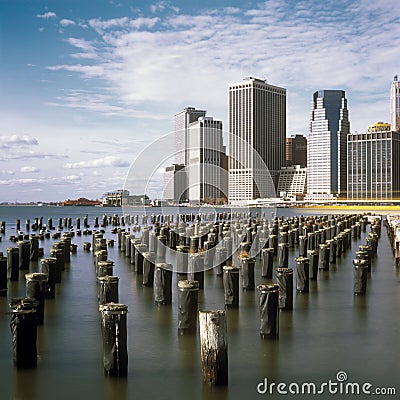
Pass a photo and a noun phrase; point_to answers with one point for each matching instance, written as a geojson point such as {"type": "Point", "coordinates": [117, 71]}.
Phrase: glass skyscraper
{"type": "Point", "coordinates": [327, 145]}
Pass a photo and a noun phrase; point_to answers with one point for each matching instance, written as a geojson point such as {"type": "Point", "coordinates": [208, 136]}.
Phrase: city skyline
{"type": "Point", "coordinates": [84, 90]}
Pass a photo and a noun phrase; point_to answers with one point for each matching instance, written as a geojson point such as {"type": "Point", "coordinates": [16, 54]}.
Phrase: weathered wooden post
{"type": "Point", "coordinates": [163, 283]}
{"type": "Point", "coordinates": [283, 255]}
{"type": "Point", "coordinates": [221, 255]}
{"type": "Point", "coordinates": [48, 267]}
{"type": "Point", "coordinates": [3, 276]}
{"type": "Point", "coordinates": [273, 242]}
{"type": "Point", "coordinates": [107, 289]}
{"type": "Point", "coordinates": [360, 276]}
{"type": "Point", "coordinates": [196, 268]}
{"type": "Point", "coordinates": [188, 306]}
{"type": "Point", "coordinates": [104, 268]}
{"type": "Point", "coordinates": [23, 326]}
{"type": "Point", "coordinates": [303, 246]}
{"type": "Point", "coordinates": [58, 254]}
{"type": "Point", "coordinates": [115, 352]}
{"type": "Point", "coordinates": [149, 259]}
{"type": "Point", "coordinates": [213, 347]}
{"type": "Point", "coordinates": [302, 274]}
{"type": "Point", "coordinates": [269, 311]}
{"type": "Point", "coordinates": [161, 248]}
{"type": "Point", "coordinates": [182, 261]}
{"type": "Point", "coordinates": [36, 289]}
{"type": "Point", "coordinates": [267, 262]}
{"type": "Point", "coordinates": [323, 257]}
{"type": "Point", "coordinates": [13, 263]}
{"type": "Point", "coordinates": [231, 286]}
{"type": "Point", "coordinates": [248, 273]}
{"type": "Point", "coordinates": [284, 278]}
{"type": "Point", "coordinates": [24, 254]}
{"type": "Point", "coordinates": [139, 259]}
{"type": "Point", "coordinates": [313, 256]}
{"type": "Point", "coordinates": [34, 248]}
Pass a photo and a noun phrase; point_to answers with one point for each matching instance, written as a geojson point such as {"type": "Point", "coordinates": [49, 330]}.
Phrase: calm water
{"type": "Point", "coordinates": [328, 331]}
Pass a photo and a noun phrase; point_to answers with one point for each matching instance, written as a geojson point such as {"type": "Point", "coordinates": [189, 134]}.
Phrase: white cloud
{"type": "Point", "coordinates": [66, 22]}
{"type": "Point", "coordinates": [26, 155]}
{"type": "Point", "coordinates": [23, 181]}
{"type": "Point", "coordinates": [28, 169]}
{"type": "Point", "coordinates": [108, 161]}
{"type": "Point", "coordinates": [100, 25]}
{"type": "Point", "coordinates": [72, 178]}
{"type": "Point", "coordinates": [8, 172]}
{"type": "Point", "coordinates": [144, 22]}
{"type": "Point", "coordinates": [17, 140]}
{"type": "Point", "coordinates": [47, 15]}
{"type": "Point", "coordinates": [90, 71]}
{"type": "Point", "coordinates": [176, 60]}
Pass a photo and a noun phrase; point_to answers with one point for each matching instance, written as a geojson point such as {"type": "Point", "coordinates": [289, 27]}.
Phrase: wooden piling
{"type": "Point", "coordinates": [115, 353]}
{"type": "Point", "coordinates": [214, 347]}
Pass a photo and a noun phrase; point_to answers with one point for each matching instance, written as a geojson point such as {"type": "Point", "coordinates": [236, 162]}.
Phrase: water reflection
{"type": "Point", "coordinates": [25, 384]}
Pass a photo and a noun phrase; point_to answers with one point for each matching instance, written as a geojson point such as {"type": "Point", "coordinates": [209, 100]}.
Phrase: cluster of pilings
{"type": "Point", "coordinates": [29, 312]}
{"type": "Point", "coordinates": [232, 248]}
{"type": "Point", "coordinates": [364, 256]}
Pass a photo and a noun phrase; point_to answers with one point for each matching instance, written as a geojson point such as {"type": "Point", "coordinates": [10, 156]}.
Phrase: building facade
{"type": "Point", "coordinates": [182, 120]}
{"type": "Point", "coordinates": [296, 150]}
{"type": "Point", "coordinates": [119, 198]}
{"type": "Point", "coordinates": [257, 138]}
{"type": "Point", "coordinates": [175, 184]}
{"type": "Point", "coordinates": [292, 181]}
{"type": "Point", "coordinates": [373, 172]}
{"type": "Point", "coordinates": [395, 104]}
{"type": "Point", "coordinates": [207, 177]}
{"type": "Point", "coordinates": [327, 145]}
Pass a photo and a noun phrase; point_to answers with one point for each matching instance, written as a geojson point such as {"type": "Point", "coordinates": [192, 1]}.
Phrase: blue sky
{"type": "Point", "coordinates": [86, 85]}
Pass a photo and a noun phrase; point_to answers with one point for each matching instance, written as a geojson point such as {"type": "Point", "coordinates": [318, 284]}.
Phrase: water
{"type": "Point", "coordinates": [328, 331]}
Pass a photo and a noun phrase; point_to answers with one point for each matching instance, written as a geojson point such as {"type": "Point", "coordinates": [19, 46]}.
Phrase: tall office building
{"type": "Point", "coordinates": [257, 120]}
{"type": "Point", "coordinates": [296, 150]}
{"type": "Point", "coordinates": [327, 145]}
{"type": "Point", "coordinates": [182, 120]}
{"type": "Point", "coordinates": [206, 172]}
{"type": "Point", "coordinates": [175, 184]}
{"type": "Point", "coordinates": [373, 172]}
{"type": "Point", "coordinates": [395, 104]}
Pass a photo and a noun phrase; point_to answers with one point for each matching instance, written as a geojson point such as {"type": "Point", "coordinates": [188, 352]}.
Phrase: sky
{"type": "Point", "coordinates": [86, 86]}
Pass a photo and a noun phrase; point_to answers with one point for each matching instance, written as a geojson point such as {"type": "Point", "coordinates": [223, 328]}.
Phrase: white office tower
{"type": "Point", "coordinates": [182, 120]}
{"type": "Point", "coordinates": [395, 105]}
{"type": "Point", "coordinates": [206, 172]}
{"type": "Point", "coordinates": [327, 146]}
{"type": "Point", "coordinates": [257, 139]}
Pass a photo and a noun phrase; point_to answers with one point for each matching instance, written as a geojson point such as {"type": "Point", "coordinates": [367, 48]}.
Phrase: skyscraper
{"type": "Point", "coordinates": [327, 145]}
{"type": "Point", "coordinates": [373, 164]}
{"type": "Point", "coordinates": [296, 150]}
{"type": "Point", "coordinates": [182, 120]}
{"type": "Point", "coordinates": [207, 175]}
{"type": "Point", "coordinates": [395, 104]}
{"type": "Point", "coordinates": [257, 120]}
{"type": "Point", "coordinates": [175, 184]}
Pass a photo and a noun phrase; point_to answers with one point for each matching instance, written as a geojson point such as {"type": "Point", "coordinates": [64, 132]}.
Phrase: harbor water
{"type": "Point", "coordinates": [328, 331]}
